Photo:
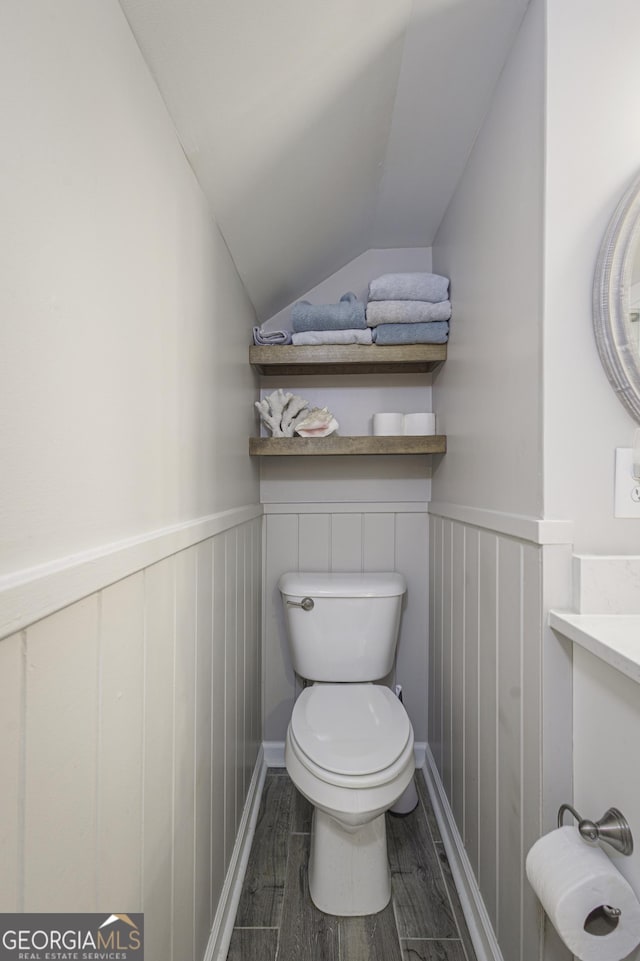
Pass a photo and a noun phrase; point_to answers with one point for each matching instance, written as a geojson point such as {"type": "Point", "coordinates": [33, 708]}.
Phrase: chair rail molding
{"type": "Point", "coordinates": [29, 595]}
{"type": "Point", "coordinates": [538, 530]}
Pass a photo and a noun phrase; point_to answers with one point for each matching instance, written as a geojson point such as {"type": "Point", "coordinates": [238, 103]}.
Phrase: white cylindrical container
{"type": "Point", "coordinates": [578, 885]}
{"type": "Point", "coordinates": [386, 424]}
{"type": "Point", "coordinates": [420, 423]}
{"type": "Point", "coordinates": [407, 802]}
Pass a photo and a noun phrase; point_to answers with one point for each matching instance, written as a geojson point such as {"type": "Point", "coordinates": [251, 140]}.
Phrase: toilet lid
{"type": "Point", "coordinates": [350, 729]}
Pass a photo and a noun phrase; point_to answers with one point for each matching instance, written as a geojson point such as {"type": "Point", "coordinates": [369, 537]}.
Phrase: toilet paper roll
{"type": "Point", "coordinates": [388, 423]}
{"type": "Point", "coordinates": [420, 423]}
{"type": "Point", "coordinates": [574, 880]}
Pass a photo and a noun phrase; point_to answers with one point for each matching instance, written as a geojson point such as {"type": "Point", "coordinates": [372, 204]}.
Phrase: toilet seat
{"type": "Point", "coordinates": [351, 735]}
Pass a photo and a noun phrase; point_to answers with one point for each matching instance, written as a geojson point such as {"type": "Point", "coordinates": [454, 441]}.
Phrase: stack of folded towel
{"type": "Point", "coordinates": [341, 323]}
{"type": "Point", "coordinates": [409, 308]}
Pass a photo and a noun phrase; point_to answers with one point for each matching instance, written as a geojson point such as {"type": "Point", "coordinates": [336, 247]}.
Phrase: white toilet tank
{"type": "Point", "coordinates": [349, 631]}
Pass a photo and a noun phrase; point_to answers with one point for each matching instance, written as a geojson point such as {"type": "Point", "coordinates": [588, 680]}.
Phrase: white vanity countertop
{"type": "Point", "coordinates": [614, 638]}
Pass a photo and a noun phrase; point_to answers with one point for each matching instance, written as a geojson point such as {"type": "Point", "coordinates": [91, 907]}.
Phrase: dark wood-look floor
{"type": "Point", "coordinates": [277, 921]}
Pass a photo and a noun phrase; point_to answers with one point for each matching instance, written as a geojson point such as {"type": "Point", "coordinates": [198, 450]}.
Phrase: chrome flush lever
{"type": "Point", "coordinates": [306, 604]}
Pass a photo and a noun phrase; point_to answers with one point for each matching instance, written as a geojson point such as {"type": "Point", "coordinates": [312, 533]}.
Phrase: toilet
{"type": "Point", "coordinates": [349, 744]}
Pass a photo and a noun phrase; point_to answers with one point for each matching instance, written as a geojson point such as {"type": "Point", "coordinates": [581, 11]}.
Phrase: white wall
{"type": "Point", "coordinates": [126, 396]}
{"type": "Point", "coordinates": [356, 276]}
{"type": "Point", "coordinates": [353, 399]}
{"type": "Point", "coordinates": [130, 684]}
{"type": "Point", "coordinates": [593, 153]}
{"type": "Point", "coordinates": [606, 706]}
{"type": "Point", "coordinates": [607, 722]}
{"type": "Point", "coordinates": [488, 396]}
{"type": "Point", "coordinates": [499, 682]}
{"type": "Point", "coordinates": [525, 225]}
{"type": "Point", "coordinates": [349, 513]}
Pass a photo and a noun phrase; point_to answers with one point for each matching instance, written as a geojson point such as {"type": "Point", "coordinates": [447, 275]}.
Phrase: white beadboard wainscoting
{"type": "Point", "coordinates": [130, 728]}
{"type": "Point", "coordinates": [346, 537]}
{"type": "Point", "coordinates": [499, 695]}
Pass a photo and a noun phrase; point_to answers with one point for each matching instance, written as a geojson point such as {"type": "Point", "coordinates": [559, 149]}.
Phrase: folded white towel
{"type": "Point", "coordinates": [270, 338]}
{"type": "Point", "coordinates": [313, 338]}
{"type": "Point", "coordinates": [406, 312]}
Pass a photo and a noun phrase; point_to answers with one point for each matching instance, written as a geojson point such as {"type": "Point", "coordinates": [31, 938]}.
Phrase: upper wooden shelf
{"type": "Point", "coordinates": [352, 359]}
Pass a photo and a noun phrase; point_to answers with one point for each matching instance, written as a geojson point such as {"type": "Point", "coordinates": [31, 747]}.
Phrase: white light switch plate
{"type": "Point", "coordinates": [627, 489]}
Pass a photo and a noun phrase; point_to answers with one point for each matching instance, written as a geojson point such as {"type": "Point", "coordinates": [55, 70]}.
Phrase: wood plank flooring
{"type": "Point", "coordinates": [277, 921]}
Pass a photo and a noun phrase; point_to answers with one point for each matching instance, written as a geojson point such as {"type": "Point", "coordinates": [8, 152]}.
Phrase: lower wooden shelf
{"type": "Point", "coordinates": [349, 446]}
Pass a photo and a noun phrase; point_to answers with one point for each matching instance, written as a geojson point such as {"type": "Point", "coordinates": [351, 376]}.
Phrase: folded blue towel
{"type": "Point", "coordinates": [433, 333]}
{"type": "Point", "coordinates": [406, 312]}
{"type": "Point", "coordinates": [348, 314]}
{"type": "Point", "coordinates": [270, 338]}
{"type": "Point", "coordinates": [410, 286]}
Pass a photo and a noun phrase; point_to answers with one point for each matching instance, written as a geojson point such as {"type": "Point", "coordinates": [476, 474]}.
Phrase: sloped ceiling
{"type": "Point", "coordinates": [321, 128]}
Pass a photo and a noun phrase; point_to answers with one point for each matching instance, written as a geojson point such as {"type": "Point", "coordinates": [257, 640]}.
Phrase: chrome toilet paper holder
{"type": "Point", "coordinates": [612, 828]}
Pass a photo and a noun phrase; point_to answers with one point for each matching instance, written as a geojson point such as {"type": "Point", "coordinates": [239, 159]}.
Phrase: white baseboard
{"type": "Point", "coordinates": [480, 928]}
{"type": "Point", "coordinates": [274, 753]}
{"type": "Point", "coordinates": [222, 929]}
{"type": "Point", "coordinates": [419, 752]}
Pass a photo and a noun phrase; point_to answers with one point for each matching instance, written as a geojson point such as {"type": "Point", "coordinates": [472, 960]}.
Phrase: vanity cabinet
{"type": "Point", "coordinates": [336, 359]}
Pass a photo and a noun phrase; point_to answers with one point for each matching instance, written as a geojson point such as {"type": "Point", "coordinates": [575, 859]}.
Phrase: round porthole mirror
{"type": "Point", "coordinates": [616, 300]}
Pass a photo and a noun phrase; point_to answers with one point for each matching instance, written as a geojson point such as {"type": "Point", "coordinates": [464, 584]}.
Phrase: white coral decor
{"type": "Point", "coordinates": [281, 411]}
{"type": "Point", "coordinates": [319, 422]}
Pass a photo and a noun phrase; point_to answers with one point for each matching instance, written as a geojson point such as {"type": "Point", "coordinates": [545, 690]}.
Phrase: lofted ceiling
{"type": "Point", "coordinates": [321, 128]}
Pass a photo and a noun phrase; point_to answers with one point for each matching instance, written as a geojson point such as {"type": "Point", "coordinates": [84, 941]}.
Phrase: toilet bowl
{"type": "Point", "coordinates": [349, 751]}
{"type": "Point", "coordinates": [349, 745]}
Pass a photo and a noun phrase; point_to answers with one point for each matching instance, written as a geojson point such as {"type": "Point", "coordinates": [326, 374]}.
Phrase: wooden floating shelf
{"type": "Point", "coordinates": [352, 359]}
{"type": "Point", "coordinates": [288, 446]}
